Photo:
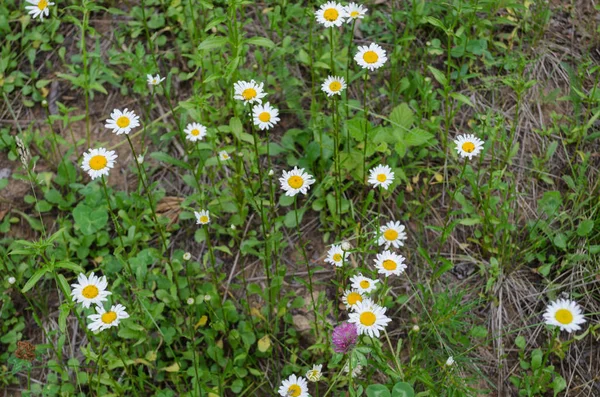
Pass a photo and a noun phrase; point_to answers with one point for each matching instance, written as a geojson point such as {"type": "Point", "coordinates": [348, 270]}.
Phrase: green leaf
{"type": "Point", "coordinates": [550, 202]}
{"type": "Point", "coordinates": [261, 41]}
{"type": "Point", "coordinates": [212, 42]}
{"type": "Point", "coordinates": [402, 116]}
{"type": "Point", "coordinates": [585, 227]}
{"type": "Point", "coordinates": [417, 137]}
{"type": "Point", "coordinates": [558, 384]}
{"type": "Point", "coordinates": [90, 220]}
{"type": "Point", "coordinates": [438, 75]}
{"type": "Point", "coordinates": [34, 279]}
{"type": "Point", "coordinates": [165, 158]}
{"type": "Point", "coordinates": [403, 389]}
{"type": "Point", "coordinates": [520, 342]}
{"type": "Point", "coordinates": [378, 391]}
{"type": "Point", "coordinates": [536, 359]}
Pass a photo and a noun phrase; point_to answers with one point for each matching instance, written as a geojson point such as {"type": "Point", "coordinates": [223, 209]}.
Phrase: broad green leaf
{"type": "Point", "coordinates": [403, 389]}
{"type": "Point", "coordinates": [438, 75]}
{"type": "Point", "coordinates": [261, 41]}
{"type": "Point", "coordinates": [212, 42]}
{"type": "Point", "coordinates": [585, 227]}
{"type": "Point", "coordinates": [165, 158]}
{"type": "Point", "coordinates": [90, 220]}
{"type": "Point", "coordinates": [378, 391]}
{"type": "Point", "coordinates": [402, 116]}
{"type": "Point", "coordinates": [34, 279]}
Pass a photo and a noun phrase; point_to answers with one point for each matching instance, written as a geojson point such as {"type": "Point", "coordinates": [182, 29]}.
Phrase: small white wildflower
{"type": "Point", "coordinates": [450, 361]}
{"type": "Point", "coordinates": [207, 297]}
{"type": "Point", "coordinates": [12, 280]}
{"type": "Point", "coordinates": [187, 256]}
{"type": "Point", "coordinates": [190, 301]}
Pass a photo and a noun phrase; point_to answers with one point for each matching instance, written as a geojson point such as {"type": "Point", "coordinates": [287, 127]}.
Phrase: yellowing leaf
{"type": "Point", "coordinates": [264, 343]}
{"type": "Point", "coordinates": [202, 322]}
{"type": "Point", "coordinates": [171, 368]}
{"type": "Point", "coordinates": [255, 312]}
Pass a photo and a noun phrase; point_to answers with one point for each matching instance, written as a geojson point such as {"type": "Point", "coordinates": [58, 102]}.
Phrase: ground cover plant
{"type": "Point", "coordinates": [285, 198]}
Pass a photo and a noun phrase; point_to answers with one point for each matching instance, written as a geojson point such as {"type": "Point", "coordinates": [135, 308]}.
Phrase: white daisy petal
{"type": "Point", "coordinates": [363, 284]}
{"type": "Point", "coordinates": [294, 386]}
{"type": "Point", "coordinates": [122, 122]}
{"type": "Point", "coordinates": [90, 290]}
{"type": "Point", "coordinates": [354, 11]}
{"type": "Point", "coordinates": [369, 318]}
{"type": "Point", "coordinates": [565, 314]}
{"type": "Point", "coordinates": [98, 162]}
{"type": "Point", "coordinates": [336, 255]}
{"type": "Point", "coordinates": [331, 14]}
{"type": "Point", "coordinates": [107, 319]}
{"type": "Point", "coordinates": [296, 181]}
{"type": "Point", "coordinates": [265, 116]}
{"type": "Point", "coordinates": [249, 91]}
{"type": "Point", "coordinates": [352, 297]}
{"type": "Point", "coordinates": [314, 374]}
{"type": "Point", "coordinates": [39, 8]}
{"type": "Point", "coordinates": [202, 217]}
{"type": "Point", "coordinates": [154, 80]}
{"type": "Point", "coordinates": [389, 263]}
{"type": "Point", "coordinates": [392, 234]}
{"type": "Point", "coordinates": [370, 57]}
{"type": "Point", "coordinates": [195, 132]}
{"type": "Point", "coordinates": [468, 145]}
{"type": "Point", "coordinates": [333, 86]}
{"type": "Point", "coordinates": [382, 175]}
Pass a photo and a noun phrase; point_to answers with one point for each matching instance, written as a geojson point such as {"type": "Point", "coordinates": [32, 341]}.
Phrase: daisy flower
{"type": "Point", "coordinates": [248, 92]}
{"type": "Point", "coordinates": [352, 297]}
{"type": "Point", "coordinates": [363, 284]}
{"type": "Point", "coordinates": [333, 85]}
{"type": "Point", "coordinates": [354, 11]}
{"type": "Point", "coordinates": [98, 162]}
{"type": "Point", "coordinates": [156, 80]}
{"type": "Point", "coordinates": [90, 290]}
{"type": "Point", "coordinates": [330, 14]}
{"type": "Point", "coordinates": [565, 314]}
{"type": "Point", "coordinates": [265, 116]}
{"type": "Point", "coordinates": [371, 57]}
{"type": "Point", "coordinates": [223, 155]}
{"type": "Point", "coordinates": [468, 145]}
{"type": "Point", "coordinates": [194, 132]}
{"type": "Point", "coordinates": [369, 318]}
{"type": "Point", "coordinates": [382, 175]}
{"type": "Point", "coordinates": [202, 217]}
{"type": "Point", "coordinates": [39, 8]}
{"type": "Point", "coordinates": [315, 373]}
{"type": "Point", "coordinates": [336, 255]}
{"type": "Point", "coordinates": [122, 122]}
{"type": "Point", "coordinates": [388, 263]}
{"type": "Point", "coordinates": [107, 319]}
{"type": "Point", "coordinates": [450, 361]}
{"type": "Point", "coordinates": [392, 234]}
{"type": "Point", "coordinates": [296, 181]}
{"type": "Point", "coordinates": [294, 386]}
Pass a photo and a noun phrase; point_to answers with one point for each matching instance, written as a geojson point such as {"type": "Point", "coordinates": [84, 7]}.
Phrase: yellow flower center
{"type": "Point", "coordinates": [90, 292]}
{"type": "Point", "coordinates": [249, 93]}
{"type": "Point", "coordinates": [331, 14]}
{"type": "Point", "coordinates": [294, 390]}
{"type": "Point", "coordinates": [312, 374]}
{"type": "Point", "coordinates": [225, 156]}
{"type": "Point", "coordinates": [264, 117]}
{"type": "Point", "coordinates": [367, 318]}
{"type": "Point", "coordinates": [354, 14]}
{"type": "Point", "coordinates": [381, 177]}
{"type": "Point", "coordinates": [364, 284]}
{"type": "Point", "coordinates": [42, 5]}
{"type": "Point", "coordinates": [389, 264]}
{"type": "Point", "coordinates": [337, 257]}
{"type": "Point", "coordinates": [204, 219]}
{"type": "Point", "coordinates": [370, 57]}
{"type": "Point", "coordinates": [354, 297]}
{"type": "Point", "coordinates": [295, 182]}
{"type": "Point", "coordinates": [390, 235]}
{"type": "Point", "coordinates": [468, 147]}
{"type": "Point", "coordinates": [564, 316]}
{"type": "Point", "coordinates": [195, 132]}
{"type": "Point", "coordinates": [335, 86]}
{"type": "Point", "coordinates": [98, 162]}
{"type": "Point", "coordinates": [123, 121]}
{"type": "Point", "coordinates": [108, 317]}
